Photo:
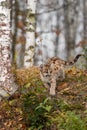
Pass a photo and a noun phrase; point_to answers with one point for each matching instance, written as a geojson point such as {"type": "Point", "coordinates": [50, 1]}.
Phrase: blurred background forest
{"type": "Point", "coordinates": [31, 31]}
{"type": "Point", "coordinates": [60, 30]}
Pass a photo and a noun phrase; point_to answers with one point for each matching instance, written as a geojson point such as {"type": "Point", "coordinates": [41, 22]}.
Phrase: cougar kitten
{"type": "Point", "coordinates": [54, 70]}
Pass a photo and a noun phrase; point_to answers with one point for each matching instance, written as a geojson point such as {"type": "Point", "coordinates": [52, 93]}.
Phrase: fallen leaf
{"type": "Point", "coordinates": [62, 86]}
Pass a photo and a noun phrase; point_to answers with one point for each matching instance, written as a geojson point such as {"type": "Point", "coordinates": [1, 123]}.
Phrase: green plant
{"type": "Point", "coordinates": [36, 109]}
{"type": "Point", "coordinates": [63, 105]}
{"type": "Point", "coordinates": [41, 112]}
{"type": "Point", "coordinates": [70, 121]}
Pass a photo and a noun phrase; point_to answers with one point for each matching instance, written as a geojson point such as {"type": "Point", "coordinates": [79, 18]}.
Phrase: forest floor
{"type": "Point", "coordinates": [73, 91]}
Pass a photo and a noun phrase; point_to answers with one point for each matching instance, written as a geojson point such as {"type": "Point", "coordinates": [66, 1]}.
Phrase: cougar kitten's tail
{"type": "Point", "coordinates": [76, 59]}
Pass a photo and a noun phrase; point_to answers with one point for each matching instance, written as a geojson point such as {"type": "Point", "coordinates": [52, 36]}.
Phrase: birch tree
{"type": "Point", "coordinates": [6, 77]}
{"type": "Point", "coordinates": [30, 33]}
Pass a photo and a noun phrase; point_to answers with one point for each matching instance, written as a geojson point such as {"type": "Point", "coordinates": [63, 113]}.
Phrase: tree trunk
{"type": "Point", "coordinates": [30, 33]}
{"type": "Point", "coordinates": [6, 77]}
{"type": "Point", "coordinates": [85, 19]}
{"type": "Point", "coordinates": [70, 26]}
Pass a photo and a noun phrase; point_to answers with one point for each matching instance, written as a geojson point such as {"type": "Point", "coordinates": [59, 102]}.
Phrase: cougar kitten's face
{"type": "Point", "coordinates": [45, 73]}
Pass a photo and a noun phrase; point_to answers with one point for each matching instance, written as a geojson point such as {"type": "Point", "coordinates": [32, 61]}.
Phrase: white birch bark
{"type": "Point", "coordinates": [6, 77]}
{"type": "Point", "coordinates": [30, 33]}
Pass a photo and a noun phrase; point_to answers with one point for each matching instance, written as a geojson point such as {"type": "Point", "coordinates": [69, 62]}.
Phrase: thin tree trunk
{"type": "Point", "coordinates": [30, 33]}
{"type": "Point", "coordinates": [85, 19]}
{"type": "Point", "coordinates": [20, 34]}
{"type": "Point", "coordinates": [57, 37]}
{"type": "Point", "coordinates": [14, 30]}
